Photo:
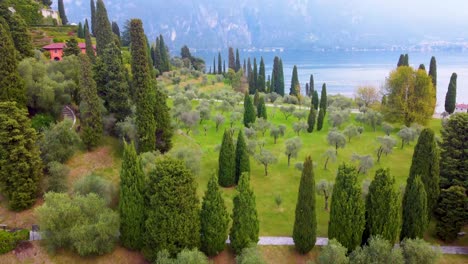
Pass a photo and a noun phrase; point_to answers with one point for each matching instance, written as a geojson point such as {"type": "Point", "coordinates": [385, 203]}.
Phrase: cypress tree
{"type": "Point", "coordinates": [305, 222]}
{"type": "Point", "coordinates": [383, 208]}
{"type": "Point", "coordinates": [249, 68]}
{"type": "Point", "coordinates": [131, 202]}
{"type": "Point", "coordinates": [157, 56]}
{"type": "Point", "coordinates": [315, 100]}
{"type": "Point", "coordinates": [347, 212]}
{"type": "Point", "coordinates": [242, 157]}
{"type": "Point", "coordinates": [415, 214]}
{"type": "Point", "coordinates": [227, 161]}
{"type": "Point", "coordinates": [311, 86]}
{"type": "Point", "coordinates": [103, 33]}
{"type": "Point", "coordinates": [80, 32]}
{"type": "Point", "coordinates": [232, 61]}
{"type": "Point", "coordinates": [433, 73]}
{"type": "Point", "coordinates": [295, 87]}
{"type": "Point", "coordinates": [249, 111]}
{"type": "Point", "coordinates": [280, 78]}
{"type": "Point", "coordinates": [238, 66]}
{"type": "Point", "coordinates": [323, 99]}
{"type": "Point", "coordinates": [261, 77]}
{"type": "Point", "coordinates": [268, 85]}
{"type": "Point", "coordinates": [214, 66]}
{"type": "Point", "coordinates": [12, 87]}
{"type": "Point", "coordinates": [401, 60]}
{"type": "Point", "coordinates": [144, 96]}
{"type": "Point", "coordinates": [451, 95]}
{"type": "Point", "coordinates": [62, 14]}
{"type": "Point", "coordinates": [245, 225]}
{"type": "Point", "coordinates": [451, 212]}
{"type": "Point", "coordinates": [253, 78]}
{"type": "Point", "coordinates": [89, 44]}
{"type": "Point", "coordinates": [244, 67]}
{"type": "Point", "coordinates": [93, 17]}
{"type": "Point", "coordinates": [214, 220]}
{"type": "Point", "coordinates": [307, 89]}
{"type": "Point", "coordinates": [116, 29]}
{"type": "Point", "coordinates": [172, 210]}
{"type": "Point", "coordinates": [422, 67]}
{"type": "Point", "coordinates": [311, 119]}
{"type": "Point", "coordinates": [165, 60]}
{"type": "Point", "coordinates": [19, 32]}
{"type": "Point", "coordinates": [71, 48]}
{"type": "Point", "coordinates": [20, 163]}
{"type": "Point", "coordinates": [90, 107]}
{"type": "Point", "coordinates": [162, 117]}
{"type": "Point", "coordinates": [274, 75]}
{"type": "Point", "coordinates": [321, 116]}
{"type": "Point", "coordinates": [406, 60]}
{"type": "Point", "coordinates": [256, 99]}
{"type": "Point", "coordinates": [220, 69]}
{"type": "Point", "coordinates": [261, 109]}
{"type": "Point", "coordinates": [426, 164]}
{"type": "Point", "coordinates": [224, 67]}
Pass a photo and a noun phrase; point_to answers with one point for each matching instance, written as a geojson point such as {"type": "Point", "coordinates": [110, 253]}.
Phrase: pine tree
{"type": "Point", "coordinates": [426, 164]}
{"type": "Point", "coordinates": [415, 214]}
{"type": "Point", "coordinates": [232, 61]}
{"type": "Point", "coordinates": [451, 96]}
{"type": "Point", "coordinates": [261, 77]}
{"type": "Point", "coordinates": [321, 117]}
{"type": "Point", "coordinates": [315, 100]}
{"type": "Point", "coordinates": [19, 32]}
{"type": "Point", "coordinates": [311, 86]}
{"type": "Point", "coordinates": [90, 107]}
{"type": "Point", "coordinates": [305, 222]}
{"type": "Point", "coordinates": [238, 66]}
{"type": "Point", "coordinates": [103, 33]}
{"type": "Point", "coordinates": [220, 69]}
{"type": "Point", "coordinates": [93, 17]}
{"type": "Point", "coordinates": [249, 111]}
{"type": "Point", "coordinates": [261, 109]}
{"type": "Point", "coordinates": [323, 99]}
{"type": "Point", "coordinates": [89, 44]}
{"type": "Point", "coordinates": [62, 14]}
{"type": "Point", "coordinates": [451, 213]}
{"type": "Point", "coordinates": [165, 60]}
{"type": "Point", "coordinates": [242, 157]}
{"type": "Point", "coordinates": [144, 96]}
{"type": "Point", "coordinates": [172, 209]}
{"type": "Point", "coordinates": [131, 202]}
{"type": "Point", "coordinates": [433, 72]}
{"type": "Point", "coordinates": [71, 48]}
{"type": "Point", "coordinates": [20, 163]}
{"type": "Point", "coordinates": [227, 161]}
{"type": "Point", "coordinates": [295, 89]}
{"type": "Point", "coordinates": [12, 87]}
{"type": "Point", "coordinates": [347, 212]}
{"type": "Point", "coordinates": [245, 225]}
{"type": "Point", "coordinates": [383, 208]}
{"type": "Point", "coordinates": [214, 220]}
{"type": "Point", "coordinates": [311, 119]}
{"type": "Point", "coordinates": [164, 130]}
{"type": "Point", "coordinates": [116, 29]}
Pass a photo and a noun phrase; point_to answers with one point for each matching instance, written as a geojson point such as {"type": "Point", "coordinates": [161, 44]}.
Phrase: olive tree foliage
{"type": "Point", "coordinates": [287, 110]}
{"type": "Point", "coordinates": [205, 111]}
{"type": "Point", "coordinates": [186, 256]}
{"type": "Point", "coordinates": [407, 134]}
{"type": "Point", "coordinates": [95, 184]}
{"type": "Point", "coordinates": [59, 142]}
{"type": "Point", "coordinates": [325, 188]}
{"type": "Point", "coordinates": [378, 250]}
{"type": "Point", "coordinates": [190, 156]}
{"type": "Point", "coordinates": [277, 131]}
{"type": "Point", "coordinates": [366, 162]}
{"type": "Point", "coordinates": [350, 132]}
{"type": "Point", "coordinates": [299, 114]}
{"type": "Point", "coordinates": [337, 116]}
{"type": "Point", "coordinates": [57, 177]}
{"type": "Point", "coordinates": [292, 147]}
{"type": "Point", "coordinates": [370, 117]}
{"type": "Point", "coordinates": [417, 251]}
{"type": "Point", "coordinates": [329, 155]}
{"type": "Point", "coordinates": [300, 126]}
{"type": "Point", "coordinates": [387, 128]}
{"type": "Point", "coordinates": [250, 255]}
{"type": "Point", "coordinates": [126, 130]}
{"type": "Point", "coordinates": [266, 157]}
{"type": "Point", "coordinates": [219, 120]}
{"type": "Point", "coordinates": [234, 118]}
{"type": "Point", "coordinates": [336, 139]}
{"type": "Point", "coordinates": [261, 125]}
{"type": "Point", "coordinates": [82, 224]}
{"type": "Point", "coordinates": [386, 145]}
{"type": "Point", "coordinates": [190, 120]}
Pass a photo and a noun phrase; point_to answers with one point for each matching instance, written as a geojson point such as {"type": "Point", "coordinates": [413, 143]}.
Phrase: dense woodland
{"type": "Point", "coordinates": [121, 91]}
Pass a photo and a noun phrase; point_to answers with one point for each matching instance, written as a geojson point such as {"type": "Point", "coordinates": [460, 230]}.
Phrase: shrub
{"type": "Point", "coordinates": [419, 251]}
{"type": "Point", "coordinates": [41, 121]}
{"type": "Point", "coordinates": [9, 240]}
{"type": "Point", "coordinates": [97, 185]}
{"type": "Point", "coordinates": [190, 157]}
{"type": "Point", "coordinates": [57, 180]}
{"type": "Point", "coordinates": [250, 255]}
{"type": "Point", "coordinates": [186, 256]}
{"type": "Point", "coordinates": [59, 142]}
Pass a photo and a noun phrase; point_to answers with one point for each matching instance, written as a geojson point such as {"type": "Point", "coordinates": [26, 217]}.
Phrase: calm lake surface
{"type": "Point", "coordinates": [343, 71]}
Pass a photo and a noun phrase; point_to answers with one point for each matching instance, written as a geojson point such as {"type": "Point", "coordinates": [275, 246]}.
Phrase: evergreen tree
{"type": "Point", "coordinates": [116, 29]}
{"type": "Point", "coordinates": [172, 209]}
{"type": "Point", "coordinates": [451, 95]}
{"type": "Point", "coordinates": [426, 164]}
{"type": "Point", "coordinates": [311, 119]}
{"type": "Point", "coordinates": [280, 78]}
{"type": "Point", "coordinates": [103, 29]}
{"type": "Point", "coordinates": [307, 89]}
{"type": "Point", "coordinates": [406, 60]}
{"type": "Point", "coordinates": [19, 32]}
{"type": "Point", "coordinates": [383, 208]}
{"type": "Point", "coordinates": [311, 86]}
{"type": "Point", "coordinates": [401, 60]}
{"type": "Point", "coordinates": [80, 32]}
{"type": "Point", "coordinates": [245, 225]}
{"type": "Point", "coordinates": [320, 118]}
{"type": "Point", "coordinates": [261, 77]}
{"type": "Point", "coordinates": [249, 69]}
{"type": "Point", "coordinates": [224, 67]}
{"type": "Point", "coordinates": [62, 14]}
{"type": "Point", "coordinates": [242, 157]}
{"type": "Point", "coordinates": [422, 67]}
{"type": "Point", "coordinates": [295, 87]}
{"type": "Point", "coordinates": [12, 87]}
{"type": "Point", "coordinates": [249, 111]}
{"type": "Point", "coordinates": [71, 48]}
{"type": "Point", "coordinates": [323, 99]}
{"type": "Point", "coordinates": [261, 109]}
{"type": "Point", "coordinates": [244, 68]}
{"type": "Point", "coordinates": [274, 75]}
{"type": "Point", "coordinates": [90, 107]}
{"type": "Point", "coordinates": [165, 60]}
{"type": "Point", "coordinates": [315, 100]}
{"type": "Point", "coordinates": [232, 61]}
{"type": "Point", "coordinates": [415, 214]}
{"type": "Point", "coordinates": [93, 17]}
{"type": "Point", "coordinates": [238, 64]}
{"type": "Point", "coordinates": [253, 78]}
{"type": "Point", "coordinates": [452, 212]}
{"type": "Point", "coordinates": [433, 72]}
{"type": "Point", "coordinates": [256, 99]}
{"type": "Point", "coordinates": [347, 212]}
{"type": "Point", "coordinates": [20, 163]}
{"type": "Point", "coordinates": [89, 44]}
{"type": "Point", "coordinates": [164, 130]}
{"type": "Point", "coordinates": [220, 69]}
{"type": "Point", "coordinates": [305, 222]}
{"type": "Point", "coordinates": [214, 66]}
{"type": "Point", "coordinates": [157, 55]}
{"type": "Point", "coordinates": [131, 202]}
{"type": "Point", "coordinates": [227, 161]}
{"type": "Point", "coordinates": [144, 96]}
{"type": "Point", "coordinates": [214, 220]}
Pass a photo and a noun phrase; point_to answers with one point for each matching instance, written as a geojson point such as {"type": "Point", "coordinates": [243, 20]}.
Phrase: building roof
{"type": "Point", "coordinates": [62, 45]}
{"type": "Point", "coordinates": [461, 106]}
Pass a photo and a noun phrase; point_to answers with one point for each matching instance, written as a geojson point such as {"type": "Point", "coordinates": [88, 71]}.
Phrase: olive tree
{"type": "Point", "coordinates": [336, 139]}
{"type": "Point", "coordinates": [266, 158]}
{"type": "Point", "coordinates": [386, 146]}
{"type": "Point", "coordinates": [293, 145]}
{"type": "Point", "coordinates": [325, 189]}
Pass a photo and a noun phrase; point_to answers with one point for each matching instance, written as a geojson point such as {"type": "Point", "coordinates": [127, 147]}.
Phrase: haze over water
{"type": "Point", "coordinates": [344, 71]}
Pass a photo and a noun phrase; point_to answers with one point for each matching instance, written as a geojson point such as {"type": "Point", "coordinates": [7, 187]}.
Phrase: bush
{"type": "Point", "coordinates": [41, 121]}
{"type": "Point", "coordinates": [9, 240]}
{"type": "Point", "coordinates": [191, 158]}
{"type": "Point", "coordinates": [333, 253]}
{"type": "Point", "coordinates": [419, 251]}
{"type": "Point", "coordinates": [57, 180]}
{"type": "Point", "coordinates": [186, 256]}
{"type": "Point", "coordinates": [250, 255]}
{"type": "Point", "coordinates": [59, 142]}
{"type": "Point", "coordinates": [97, 185]}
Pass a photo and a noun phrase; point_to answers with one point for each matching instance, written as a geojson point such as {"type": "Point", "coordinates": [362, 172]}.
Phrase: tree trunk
{"type": "Point", "coordinates": [289, 159]}
{"type": "Point", "coordinates": [336, 149]}
{"type": "Point", "coordinates": [326, 162]}
{"type": "Point", "coordinates": [402, 143]}
{"type": "Point", "coordinates": [275, 139]}
{"type": "Point", "coordinates": [326, 202]}
{"type": "Point", "coordinates": [266, 169]}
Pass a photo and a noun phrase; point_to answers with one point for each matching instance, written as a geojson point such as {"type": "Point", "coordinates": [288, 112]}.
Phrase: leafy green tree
{"type": "Point", "coordinates": [12, 86]}
{"type": "Point", "coordinates": [323, 98]}
{"type": "Point", "coordinates": [59, 142]}
{"type": "Point", "coordinates": [71, 48]}
{"type": "Point", "coordinates": [333, 253]}
{"type": "Point", "coordinates": [265, 157]}
{"type": "Point", "coordinates": [325, 189]}
{"type": "Point", "coordinates": [378, 250]}
{"type": "Point", "coordinates": [417, 251]}
{"type": "Point", "coordinates": [186, 256]}
{"type": "Point", "coordinates": [406, 134]}
{"type": "Point", "coordinates": [57, 177]}
{"type": "Point", "coordinates": [172, 209]}
{"type": "Point", "coordinates": [144, 95]}
{"type": "Point", "coordinates": [305, 223]}
{"type": "Point", "coordinates": [451, 212]}
{"type": "Point", "coordinates": [245, 225]}
{"type": "Point", "coordinates": [295, 86]}
{"type": "Point", "coordinates": [131, 202]}
{"type": "Point", "coordinates": [415, 216]}
{"type": "Point", "coordinates": [350, 132]}
{"type": "Point", "coordinates": [103, 28]}
{"type": "Point", "coordinates": [165, 60]}
{"type": "Point", "coordinates": [249, 111]}
{"type": "Point", "coordinates": [433, 72]}
{"type": "Point", "coordinates": [227, 161]}
{"type": "Point", "coordinates": [347, 212]}
{"type": "Point", "coordinates": [18, 28]}
{"type": "Point", "coordinates": [214, 220]}
{"type": "Point", "coordinates": [261, 77]}
{"type": "Point", "coordinates": [96, 184]}
{"type": "Point", "coordinates": [292, 147]}
{"type": "Point", "coordinates": [453, 159]}
{"type": "Point", "coordinates": [321, 116]}
{"type": "Point", "coordinates": [21, 167]}
{"type": "Point", "coordinates": [89, 44]}
{"type": "Point", "coordinates": [164, 129]}
{"type": "Point", "coordinates": [386, 146]}
{"type": "Point", "coordinates": [336, 139]}
{"type": "Point", "coordinates": [242, 157]}
{"type": "Point", "coordinates": [311, 119]}
{"type": "Point", "coordinates": [90, 106]}
{"type": "Point", "coordinates": [261, 109]}
{"type": "Point", "coordinates": [451, 95]}
{"type": "Point", "coordinates": [62, 14]}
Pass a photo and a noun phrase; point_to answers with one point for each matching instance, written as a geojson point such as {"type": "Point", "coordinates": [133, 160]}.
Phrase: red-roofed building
{"type": "Point", "coordinates": [56, 50]}
{"type": "Point", "coordinates": [461, 108]}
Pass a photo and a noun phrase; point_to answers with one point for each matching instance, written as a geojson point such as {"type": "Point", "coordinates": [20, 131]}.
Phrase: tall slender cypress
{"type": "Point", "coordinates": [295, 87]}
{"type": "Point", "coordinates": [93, 17]}
{"type": "Point", "coordinates": [104, 34]}
{"type": "Point", "coordinates": [274, 75]}
{"type": "Point", "coordinates": [249, 68]}
{"type": "Point", "coordinates": [305, 222]}
{"type": "Point", "coordinates": [261, 77]}
{"type": "Point", "coordinates": [415, 214]}
{"type": "Point", "coordinates": [244, 67]}
{"type": "Point", "coordinates": [242, 156]}
{"type": "Point", "coordinates": [62, 14]}
{"type": "Point", "coordinates": [232, 60]}
{"type": "Point", "coordinates": [320, 118]}
{"type": "Point", "coordinates": [315, 100]}
{"type": "Point", "coordinates": [311, 119]}
{"type": "Point", "coordinates": [16, 25]}
{"type": "Point", "coordinates": [116, 29]}
{"type": "Point", "coordinates": [311, 85]}
{"type": "Point", "coordinates": [214, 65]}
{"type": "Point", "coordinates": [261, 109]}
{"type": "Point", "coordinates": [323, 98]}
{"type": "Point", "coordinates": [433, 73]}
{"type": "Point", "coordinates": [238, 64]}
{"type": "Point", "coordinates": [164, 130]}
{"type": "Point", "coordinates": [249, 111]}
{"type": "Point", "coordinates": [89, 44]}
{"type": "Point", "coordinates": [220, 68]}
{"type": "Point", "coordinates": [165, 60]}
{"type": "Point", "coordinates": [451, 95]}
{"type": "Point", "coordinates": [227, 161]}
{"type": "Point", "coordinates": [280, 78]}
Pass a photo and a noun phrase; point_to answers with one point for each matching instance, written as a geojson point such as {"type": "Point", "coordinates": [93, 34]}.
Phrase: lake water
{"type": "Point", "coordinates": [343, 71]}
